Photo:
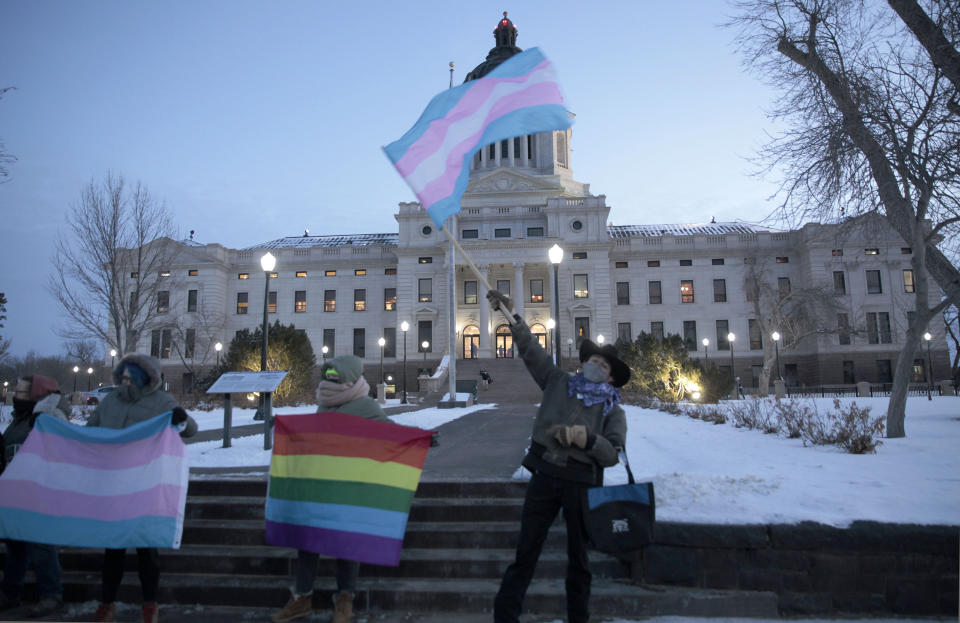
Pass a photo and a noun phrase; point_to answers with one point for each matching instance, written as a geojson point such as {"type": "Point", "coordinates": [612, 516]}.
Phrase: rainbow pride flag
{"type": "Point", "coordinates": [96, 487]}
{"type": "Point", "coordinates": [341, 485]}
{"type": "Point", "coordinates": [520, 96]}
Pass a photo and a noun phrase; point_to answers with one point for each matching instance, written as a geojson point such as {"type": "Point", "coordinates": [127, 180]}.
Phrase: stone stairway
{"type": "Point", "coordinates": [459, 540]}
{"type": "Point", "coordinates": [511, 381]}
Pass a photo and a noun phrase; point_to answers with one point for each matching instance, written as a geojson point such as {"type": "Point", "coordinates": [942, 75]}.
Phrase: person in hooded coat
{"type": "Point", "coordinates": [138, 398]}
{"type": "Point", "coordinates": [578, 431]}
{"type": "Point", "coordinates": [32, 396]}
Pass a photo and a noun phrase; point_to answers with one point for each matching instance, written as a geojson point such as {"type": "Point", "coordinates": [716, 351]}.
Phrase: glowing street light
{"type": "Point", "coordinates": [600, 338]}
{"type": "Point", "coordinates": [705, 343]}
{"type": "Point", "coordinates": [113, 355]}
{"type": "Point", "coordinates": [381, 342]}
{"type": "Point", "coordinates": [89, 374]}
{"type": "Point", "coordinates": [75, 370]}
{"type": "Point", "coordinates": [733, 375]}
{"type": "Point", "coordinates": [556, 256]}
{"type": "Point", "coordinates": [325, 350]}
{"type": "Point", "coordinates": [218, 347]}
{"type": "Point", "coordinates": [267, 262]}
{"type": "Point", "coordinates": [776, 342]}
{"type": "Point", "coordinates": [928, 337]}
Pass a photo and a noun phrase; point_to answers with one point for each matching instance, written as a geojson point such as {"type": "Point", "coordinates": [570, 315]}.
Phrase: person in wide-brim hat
{"type": "Point", "coordinates": [619, 371]}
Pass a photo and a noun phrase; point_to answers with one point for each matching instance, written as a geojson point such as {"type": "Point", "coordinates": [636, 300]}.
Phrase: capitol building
{"type": "Point", "coordinates": [701, 281]}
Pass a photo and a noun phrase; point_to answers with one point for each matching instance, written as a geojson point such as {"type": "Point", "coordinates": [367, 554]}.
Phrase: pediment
{"type": "Point", "coordinates": [510, 181]}
{"type": "Point", "coordinates": [426, 310]}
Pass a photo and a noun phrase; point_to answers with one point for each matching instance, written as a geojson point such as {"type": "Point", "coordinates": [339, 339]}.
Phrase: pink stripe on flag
{"type": "Point", "coordinates": [442, 186]}
{"type": "Point", "coordinates": [161, 500]}
{"type": "Point", "coordinates": [472, 100]}
{"type": "Point", "coordinates": [57, 449]}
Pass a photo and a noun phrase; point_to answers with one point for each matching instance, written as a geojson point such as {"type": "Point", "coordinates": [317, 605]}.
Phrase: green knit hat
{"type": "Point", "coordinates": [345, 368]}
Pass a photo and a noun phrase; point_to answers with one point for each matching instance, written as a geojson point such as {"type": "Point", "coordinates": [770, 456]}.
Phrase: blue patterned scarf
{"type": "Point", "coordinates": [593, 393]}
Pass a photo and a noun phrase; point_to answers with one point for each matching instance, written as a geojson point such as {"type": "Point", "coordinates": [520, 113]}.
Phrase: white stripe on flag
{"type": "Point", "coordinates": [164, 470]}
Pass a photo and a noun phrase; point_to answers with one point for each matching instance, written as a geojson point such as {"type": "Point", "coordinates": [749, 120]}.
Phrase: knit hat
{"type": "Point", "coordinates": [41, 386]}
{"type": "Point", "coordinates": [348, 368]}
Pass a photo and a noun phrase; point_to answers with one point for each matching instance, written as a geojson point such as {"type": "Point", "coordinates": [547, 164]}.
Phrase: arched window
{"type": "Point", "coordinates": [504, 342]}
{"type": "Point", "coordinates": [471, 342]}
{"type": "Point", "coordinates": [540, 332]}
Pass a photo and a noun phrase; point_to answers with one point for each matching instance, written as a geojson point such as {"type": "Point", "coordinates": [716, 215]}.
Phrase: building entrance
{"type": "Point", "coordinates": [504, 342]}
{"type": "Point", "coordinates": [471, 342]}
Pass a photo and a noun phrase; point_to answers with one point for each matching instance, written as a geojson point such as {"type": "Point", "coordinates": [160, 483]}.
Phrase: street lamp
{"type": "Point", "coordinates": [113, 355]}
{"type": "Point", "coordinates": [325, 350]}
{"type": "Point", "coordinates": [776, 342]}
{"type": "Point", "coordinates": [218, 347]}
{"type": "Point", "coordinates": [733, 375]}
{"type": "Point", "coordinates": [554, 346]}
{"type": "Point", "coordinates": [569, 348]}
{"type": "Point", "coordinates": [381, 342]}
{"type": "Point", "coordinates": [268, 262]}
{"type": "Point", "coordinates": [75, 370]}
{"type": "Point", "coordinates": [556, 255]}
{"type": "Point", "coordinates": [404, 327]}
{"type": "Point", "coordinates": [928, 337]}
{"type": "Point", "coordinates": [705, 342]}
{"type": "Point", "coordinates": [89, 374]}
{"type": "Point", "coordinates": [600, 338]}
{"type": "Point", "coordinates": [425, 345]}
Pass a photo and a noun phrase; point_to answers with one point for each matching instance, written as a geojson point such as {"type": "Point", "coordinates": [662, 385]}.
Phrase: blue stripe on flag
{"type": "Point", "coordinates": [443, 102]}
{"type": "Point", "coordinates": [390, 524]}
{"type": "Point", "coordinates": [96, 434]}
{"type": "Point", "coordinates": [21, 525]}
{"type": "Point", "coordinates": [632, 493]}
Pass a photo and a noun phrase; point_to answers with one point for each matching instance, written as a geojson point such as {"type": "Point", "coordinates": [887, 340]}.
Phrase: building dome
{"type": "Point", "coordinates": [505, 34]}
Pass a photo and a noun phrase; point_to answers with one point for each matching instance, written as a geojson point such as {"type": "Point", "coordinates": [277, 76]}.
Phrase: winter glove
{"type": "Point", "coordinates": [435, 439]}
{"type": "Point", "coordinates": [179, 416]}
{"type": "Point", "coordinates": [568, 436]}
{"type": "Point", "coordinates": [498, 299]}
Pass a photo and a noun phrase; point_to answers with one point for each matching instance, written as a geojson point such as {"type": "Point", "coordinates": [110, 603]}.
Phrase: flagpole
{"type": "Point", "coordinates": [476, 271]}
{"type": "Point", "coordinates": [452, 366]}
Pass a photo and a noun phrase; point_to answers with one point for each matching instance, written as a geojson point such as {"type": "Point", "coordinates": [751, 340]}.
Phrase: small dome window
{"type": "Point", "coordinates": [576, 225]}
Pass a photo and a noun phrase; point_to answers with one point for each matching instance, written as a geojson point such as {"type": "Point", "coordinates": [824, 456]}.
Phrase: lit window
{"type": "Point", "coordinates": [193, 272]}
{"type": "Point", "coordinates": [621, 265]}
{"type": "Point", "coordinates": [389, 271]}
{"type": "Point", "coordinates": [272, 302]}
{"type": "Point", "coordinates": [134, 275]}
{"type": "Point", "coordinates": [908, 285]}
{"type": "Point", "coordinates": [360, 299]}
{"type": "Point", "coordinates": [580, 287]}
{"type": "Point", "coordinates": [301, 273]}
{"type": "Point", "coordinates": [871, 251]}
{"type": "Point", "coordinates": [300, 301]}
{"type": "Point", "coordinates": [243, 276]}
{"type": "Point", "coordinates": [425, 260]}
{"type": "Point", "coordinates": [579, 255]}
{"type": "Point", "coordinates": [536, 290]}
{"type": "Point", "coordinates": [653, 263]}
{"type": "Point", "coordinates": [425, 290]}
{"type": "Point", "coordinates": [329, 273]}
{"type": "Point", "coordinates": [469, 292]}
{"type": "Point", "coordinates": [329, 300]}
{"type": "Point", "coordinates": [389, 299]}
{"type": "Point", "coordinates": [274, 275]}
{"type": "Point", "coordinates": [783, 260]}
{"type": "Point", "coordinates": [360, 272]}
{"type": "Point", "coordinates": [164, 274]}
{"type": "Point", "coordinates": [242, 302]}
{"type": "Point", "coordinates": [686, 291]}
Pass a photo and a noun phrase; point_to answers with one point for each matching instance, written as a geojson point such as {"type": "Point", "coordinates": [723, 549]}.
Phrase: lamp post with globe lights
{"type": "Point", "coordinates": [705, 343]}
{"type": "Point", "coordinates": [424, 345]}
{"type": "Point", "coordinates": [75, 370]}
{"type": "Point", "coordinates": [324, 352]}
{"type": "Point", "coordinates": [381, 343]}
{"type": "Point", "coordinates": [927, 337]}
{"type": "Point", "coordinates": [267, 262]}
{"type": "Point", "coordinates": [113, 356]}
{"type": "Point", "coordinates": [776, 342]}
{"type": "Point", "coordinates": [600, 338]}
{"type": "Point", "coordinates": [404, 327]}
{"type": "Point", "coordinates": [733, 374]}
{"type": "Point", "coordinates": [551, 326]}
{"type": "Point", "coordinates": [556, 256]}
{"type": "Point", "coordinates": [89, 375]}
{"type": "Point", "coordinates": [218, 347]}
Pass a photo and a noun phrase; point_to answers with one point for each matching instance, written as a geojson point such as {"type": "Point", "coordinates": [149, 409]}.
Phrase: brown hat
{"type": "Point", "coordinates": [618, 370]}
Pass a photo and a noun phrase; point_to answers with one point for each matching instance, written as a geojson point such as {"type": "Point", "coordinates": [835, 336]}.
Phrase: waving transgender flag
{"type": "Point", "coordinates": [521, 96]}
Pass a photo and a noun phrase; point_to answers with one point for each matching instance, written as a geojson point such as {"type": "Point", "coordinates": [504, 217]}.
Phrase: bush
{"type": "Point", "coordinates": [854, 431]}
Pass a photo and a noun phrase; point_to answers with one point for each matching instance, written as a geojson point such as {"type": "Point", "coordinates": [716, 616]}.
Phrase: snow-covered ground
{"type": "Point", "coordinates": [721, 474]}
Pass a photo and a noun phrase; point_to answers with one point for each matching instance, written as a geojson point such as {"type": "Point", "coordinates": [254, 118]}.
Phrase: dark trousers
{"type": "Point", "coordinates": [148, 566]}
{"type": "Point", "coordinates": [347, 573]}
{"type": "Point", "coordinates": [545, 497]}
{"type": "Point", "coordinates": [46, 566]}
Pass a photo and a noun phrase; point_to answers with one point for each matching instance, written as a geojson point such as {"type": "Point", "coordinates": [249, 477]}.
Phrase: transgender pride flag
{"type": "Point", "coordinates": [96, 487]}
{"type": "Point", "coordinates": [520, 96]}
{"type": "Point", "coordinates": [341, 485]}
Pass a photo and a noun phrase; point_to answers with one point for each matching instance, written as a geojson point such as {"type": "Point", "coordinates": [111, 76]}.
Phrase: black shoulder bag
{"type": "Point", "coordinates": [620, 518]}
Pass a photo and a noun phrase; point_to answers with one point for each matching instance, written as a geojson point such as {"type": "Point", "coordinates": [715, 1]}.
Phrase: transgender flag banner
{"type": "Point", "coordinates": [341, 485]}
{"type": "Point", "coordinates": [520, 96]}
{"type": "Point", "coordinates": [96, 487]}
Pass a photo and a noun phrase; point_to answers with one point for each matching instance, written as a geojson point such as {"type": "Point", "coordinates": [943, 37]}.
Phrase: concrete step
{"type": "Point", "coordinates": [433, 595]}
{"type": "Point", "coordinates": [257, 487]}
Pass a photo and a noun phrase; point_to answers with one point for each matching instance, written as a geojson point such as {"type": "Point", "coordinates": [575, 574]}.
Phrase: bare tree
{"type": "Point", "coordinates": [932, 35]}
{"type": "Point", "coordinates": [6, 158]}
{"type": "Point", "coordinates": [4, 343]}
{"type": "Point", "coordinates": [870, 128]}
{"type": "Point", "coordinates": [194, 335]}
{"type": "Point", "coordinates": [112, 267]}
{"type": "Point", "coordinates": [81, 351]}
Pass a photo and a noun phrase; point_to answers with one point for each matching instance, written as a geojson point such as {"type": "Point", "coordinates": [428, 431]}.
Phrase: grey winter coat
{"type": "Point", "coordinates": [129, 405]}
{"type": "Point", "coordinates": [351, 370]}
{"type": "Point", "coordinates": [605, 435]}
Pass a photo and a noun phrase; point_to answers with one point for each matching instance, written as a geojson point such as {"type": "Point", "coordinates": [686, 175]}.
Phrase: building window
{"type": "Point", "coordinates": [501, 232]}
{"type": "Point", "coordinates": [843, 329]}
{"type": "Point", "coordinates": [839, 283]}
{"type": "Point", "coordinates": [272, 302]}
{"type": "Point", "coordinates": [580, 287]}
{"type": "Point", "coordinates": [783, 260]}
{"type": "Point", "coordinates": [390, 342]}
{"type": "Point", "coordinates": [623, 293]}
{"type": "Point", "coordinates": [360, 272]}
{"type": "Point", "coordinates": [191, 300]}
{"type": "Point", "coordinates": [624, 332]}
{"type": "Point", "coordinates": [300, 301]}
{"type": "Point", "coordinates": [874, 286]}
{"type": "Point", "coordinates": [837, 253]}
{"type": "Point", "coordinates": [620, 265]}
{"type": "Point", "coordinates": [884, 371]}
{"type": "Point", "coordinates": [576, 225]}
{"type": "Point", "coordinates": [192, 272]}
{"type": "Point", "coordinates": [163, 301]}
{"type": "Point", "coordinates": [906, 250]}
{"type": "Point", "coordinates": [274, 275]}
{"type": "Point", "coordinates": [426, 230]}
{"type": "Point", "coordinates": [849, 374]}
{"type": "Point", "coordinates": [536, 290]}
{"type": "Point", "coordinates": [653, 263]}
{"type": "Point", "coordinates": [243, 275]}
{"type": "Point", "coordinates": [163, 274]}
{"type": "Point", "coordinates": [134, 299]}
{"type": "Point", "coordinates": [470, 234]}
{"type": "Point", "coordinates": [717, 261]}
{"type": "Point", "coordinates": [160, 343]}
{"type": "Point", "coordinates": [329, 300]}
{"type": "Point", "coordinates": [359, 299]}
{"type": "Point", "coordinates": [690, 334]}
{"type": "Point", "coordinates": [425, 260]}
{"type": "Point", "coordinates": [783, 287]}
{"type": "Point", "coordinates": [719, 290]}
{"type": "Point", "coordinates": [389, 299]}
{"type": "Point", "coordinates": [723, 329]}
{"type": "Point", "coordinates": [581, 328]}
{"type": "Point", "coordinates": [871, 251]}
{"type": "Point", "coordinates": [919, 371]}
{"type": "Point", "coordinates": [425, 290]}
{"type": "Point", "coordinates": [878, 328]}
{"type": "Point", "coordinates": [534, 232]}
{"type": "Point", "coordinates": [579, 255]}
{"type": "Point", "coordinates": [301, 274]}
{"type": "Point", "coordinates": [469, 292]}
{"type": "Point", "coordinates": [686, 291]}
{"type": "Point", "coordinates": [134, 275]}
{"type": "Point", "coordinates": [503, 286]}
{"type": "Point", "coordinates": [360, 343]}
{"type": "Point", "coordinates": [756, 337]}
{"type": "Point", "coordinates": [189, 343]}
{"type": "Point", "coordinates": [389, 271]}
{"type": "Point", "coordinates": [686, 262]}
{"type": "Point", "coordinates": [908, 285]}
{"type": "Point", "coordinates": [329, 273]}
{"type": "Point", "coordinates": [425, 334]}
{"type": "Point", "coordinates": [329, 340]}
{"type": "Point", "coordinates": [656, 330]}
{"type": "Point", "coordinates": [242, 302]}
{"type": "Point", "coordinates": [656, 294]}
{"type": "Point", "coordinates": [749, 261]}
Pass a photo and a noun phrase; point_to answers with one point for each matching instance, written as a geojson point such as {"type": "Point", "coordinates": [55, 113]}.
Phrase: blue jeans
{"type": "Point", "coordinates": [46, 566]}
{"type": "Point", "coordinates": [307, 562]}
{"type": "Point", "coordinates": [544, 499]}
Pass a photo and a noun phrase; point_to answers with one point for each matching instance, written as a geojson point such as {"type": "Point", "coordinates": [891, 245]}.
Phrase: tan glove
{"type": "Point", "coordinates": [568, 436]}
{"type": "Point", "coordinates": [498, 299]}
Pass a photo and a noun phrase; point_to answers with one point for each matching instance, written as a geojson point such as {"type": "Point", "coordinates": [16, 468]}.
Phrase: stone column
{"type": "Point", "coordinates": [524, 152]}
{"type": "Point", "coordinates": [518, 297]}
{"type": "Point", "coordinates": [484, 351]}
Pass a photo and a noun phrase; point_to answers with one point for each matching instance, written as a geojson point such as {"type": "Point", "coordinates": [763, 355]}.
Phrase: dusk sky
{"type": "Point", "coordinates": [256, 120]}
